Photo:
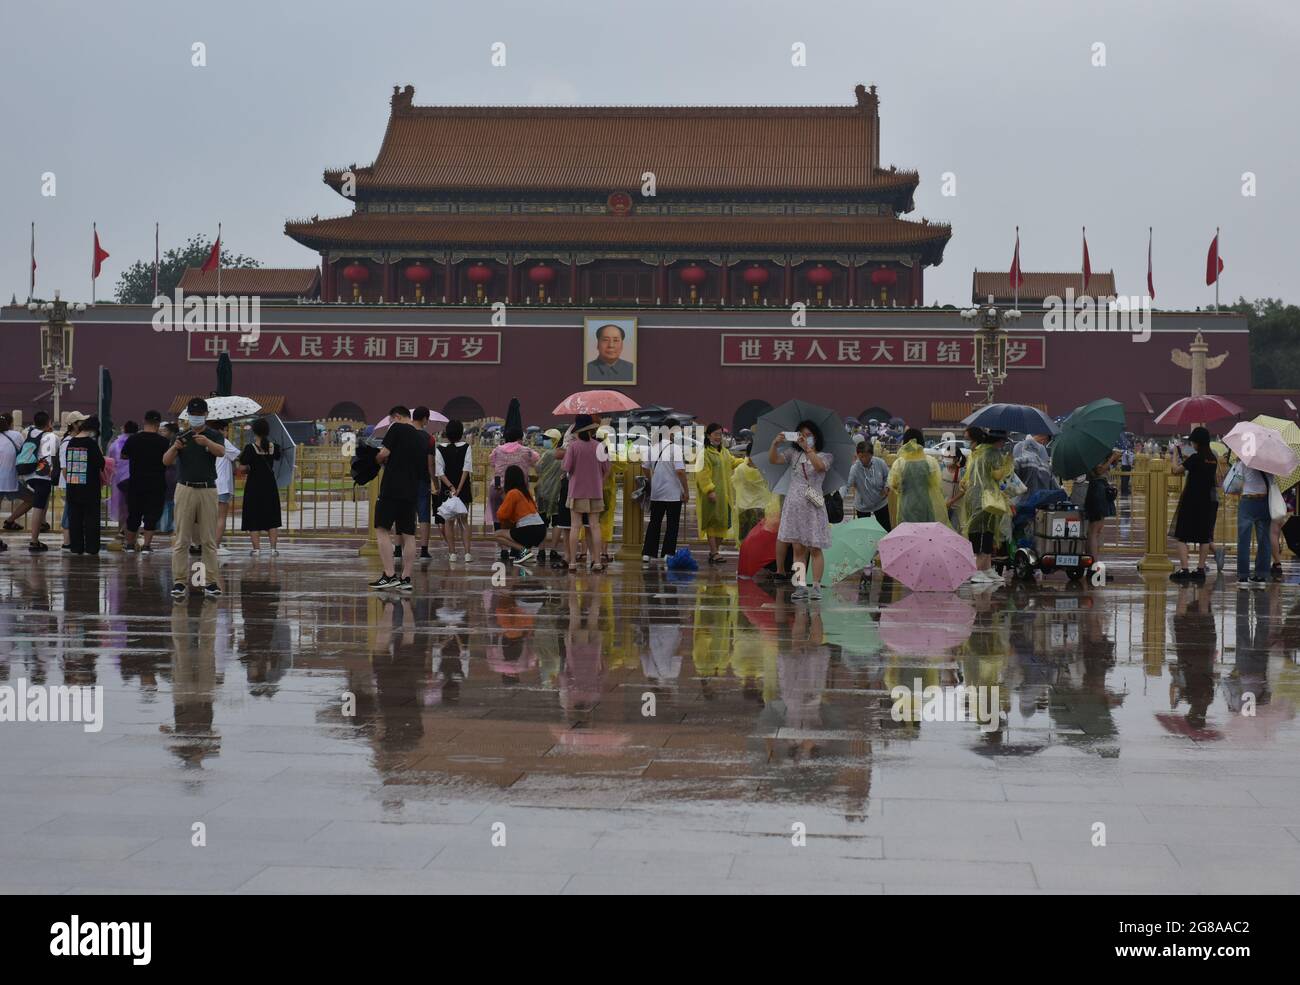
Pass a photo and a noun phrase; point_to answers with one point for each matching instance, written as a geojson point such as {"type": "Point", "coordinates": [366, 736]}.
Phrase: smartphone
{"type": "Point", "coordinates": [791, 436]}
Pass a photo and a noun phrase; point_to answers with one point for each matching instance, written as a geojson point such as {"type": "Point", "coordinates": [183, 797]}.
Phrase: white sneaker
{"type": "Point", "coordinates": [223, 550]}
{"type": "Point", "coordinates": [254, 551]}
{"type": "Point", "coordinates": [275, 551]}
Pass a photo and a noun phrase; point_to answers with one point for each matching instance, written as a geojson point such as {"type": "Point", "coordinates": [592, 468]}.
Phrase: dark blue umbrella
{"type": "Point", "coordinates": [1011, 417]}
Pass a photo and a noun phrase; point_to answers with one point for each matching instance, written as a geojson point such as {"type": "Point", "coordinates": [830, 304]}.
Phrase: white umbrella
{"type": "Point", "coordinates": [231, 408]}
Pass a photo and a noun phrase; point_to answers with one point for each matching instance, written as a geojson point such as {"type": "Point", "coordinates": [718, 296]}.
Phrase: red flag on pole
{"type": "Point", "coordinates": [214, 257]}
{"type": "Point", "coordinates": [1151, 285]}
{"type": "Point", "coordinates": [31, 288]}
{"type": "Point", "coordinates": [1087, 264]}
{"type": "Point", "coordinates": [1016, 277]}
{"type": "Point", "coordinates": [1213, 262]}
{"type": "Point", "coordinates": [101, 255]}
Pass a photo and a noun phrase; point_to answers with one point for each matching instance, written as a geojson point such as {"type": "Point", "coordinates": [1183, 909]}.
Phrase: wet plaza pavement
{"type": "Point", "coordinates": [637, 731]}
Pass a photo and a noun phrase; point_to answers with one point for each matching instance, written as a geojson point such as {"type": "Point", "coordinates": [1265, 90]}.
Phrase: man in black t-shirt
{"type": "Point", "coordinates": [146, 487]}
{"type": "Point", "coordinates": [404, 457]}
{"type": "Point", "coordinates": [195, 453]}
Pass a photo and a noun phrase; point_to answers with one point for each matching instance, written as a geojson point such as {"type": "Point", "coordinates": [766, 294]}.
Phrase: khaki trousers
{"type": "Point", "coordinates": [196, 522]}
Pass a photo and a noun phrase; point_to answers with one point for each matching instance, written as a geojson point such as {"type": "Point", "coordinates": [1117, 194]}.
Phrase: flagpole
{"type": "Point", "coordinates": [1083, 274]}
{"type": "Point", "coordinates": [155, 259]}
{"type": "Point", "coordinates": [1016, 303]}
{"type": "Point", "coordinates": [218, 261]}
{"type": "Point", "coordinates": [94, 246]}
{"type": "Point", "coordinates": [31, 285]}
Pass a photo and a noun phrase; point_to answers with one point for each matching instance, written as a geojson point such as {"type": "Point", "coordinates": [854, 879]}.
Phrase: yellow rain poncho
{"type": "Point", "coordinates": [985, 507]}
{"type": "Point", "coordinates": [914, 477]}
{"type": "Point", "coordinates": [715, 477]}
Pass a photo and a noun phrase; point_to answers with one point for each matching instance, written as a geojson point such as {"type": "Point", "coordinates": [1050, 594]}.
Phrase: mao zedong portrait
{"type": "Point", "coordinates": [609, 366]}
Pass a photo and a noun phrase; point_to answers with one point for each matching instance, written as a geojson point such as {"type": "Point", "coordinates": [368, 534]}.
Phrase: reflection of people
{"type": "Point", "coordinates": [609, 364]}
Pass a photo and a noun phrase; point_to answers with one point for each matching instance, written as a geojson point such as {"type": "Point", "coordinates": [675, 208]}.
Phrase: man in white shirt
{"type": "Point", "coordinates": [225, 484]}
{"type": "Point", "coordinates": [669, 490]}
{"type": "Point", "coordinates": [11, 443]}
{"type": "Point", "coordinates": [39, 482]}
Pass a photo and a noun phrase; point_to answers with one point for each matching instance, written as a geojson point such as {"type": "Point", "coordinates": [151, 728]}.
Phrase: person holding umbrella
{"type": "Point", "coordinates": [1197, 506]}
{"type": "Point", "coordinates": [803, 514]}
{"type": "Point", "coordinates": [1099, 504]}
{"type": "Point", "coordinates": [586, 466]}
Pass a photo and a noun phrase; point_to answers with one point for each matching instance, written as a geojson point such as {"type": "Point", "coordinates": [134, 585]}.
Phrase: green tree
{"type": "Point", "coordinates": [135, 285]}
{"type": "Point", "coordinates": [1274, 341]}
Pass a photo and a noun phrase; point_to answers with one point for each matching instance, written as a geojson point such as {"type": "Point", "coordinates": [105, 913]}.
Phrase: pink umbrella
{"type": "Point", "coordinates": [927, 625]}
{"type": "Point", "coordinates": [1261, 448]}
{"type": "Point", "coordinates": [1197, 410]}
{"type": "Point", "coordinates": [434, 418]}
{"type": "Point", "coordinates": [927, 557]}
{"type": "Point", "coordinates": [594, 402]}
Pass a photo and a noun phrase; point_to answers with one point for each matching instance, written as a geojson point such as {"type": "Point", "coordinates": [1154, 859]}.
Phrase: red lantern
{"type": "Point", "coordinates": [694, 276]}
{"type": "Point", "coordinates": [820, 277]}
{"type": "Point", "coordinates": [884, 278]}
{"type": "Point", "coordinates": [541, 275]}
{"type": "Point", "coordinates": [756, 277]}
{"type": "Point", "coordinates": [418, 274]}
{"type": "Point", "coordinates": [479, 275]}
{"type": "Point", "coordinates": [356, 274]}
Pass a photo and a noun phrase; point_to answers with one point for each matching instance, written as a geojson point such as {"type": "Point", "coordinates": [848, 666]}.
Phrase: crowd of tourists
{"type": "Point", "coordinates": [178, 478]}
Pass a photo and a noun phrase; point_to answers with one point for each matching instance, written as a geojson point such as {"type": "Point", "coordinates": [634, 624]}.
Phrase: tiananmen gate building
{"type": "Point", "coordinates": [715, 259]}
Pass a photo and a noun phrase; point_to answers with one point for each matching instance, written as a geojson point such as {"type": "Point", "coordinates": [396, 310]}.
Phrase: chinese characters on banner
{"type": "Point", "coordinates": [872, 349]}
{"type": "Point", "coordinates": [296, 345]}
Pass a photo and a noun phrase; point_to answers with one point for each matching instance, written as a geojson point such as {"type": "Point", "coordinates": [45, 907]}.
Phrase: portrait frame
{"type": "Point", "coordinates": [592, 373]}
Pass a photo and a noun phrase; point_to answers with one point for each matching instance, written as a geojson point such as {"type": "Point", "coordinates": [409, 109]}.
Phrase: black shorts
{"type": "Point", "coordinates": [40, 489]}
{"type": "Point", "coordinates": [144, 507]}
{"type": "Point", "coordinates": [399, 513]}
{"type": "Point", "coordinates": [529, 536]}
{"type": "Point", "coordinates": [982, 543]}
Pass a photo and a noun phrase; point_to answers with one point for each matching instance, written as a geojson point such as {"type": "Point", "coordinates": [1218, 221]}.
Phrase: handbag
{"type": "Point", "coordinates": [835, 507]}
{"type": "Point", "coordinates": [1235, 480]}
{"type": "Point", "coordinates": [451, 508]}
{"type": "Point", "coordinates": [1276, 504]}
{"type": "Point", "coordinates": [813, 496]}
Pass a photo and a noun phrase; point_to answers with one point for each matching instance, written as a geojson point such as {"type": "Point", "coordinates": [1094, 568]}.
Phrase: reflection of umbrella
{"type": "Point", "coordinates": [853, 545]}
{"type": "Point", "coordinates": [853, 629]}
{"type": "Point", "coordinates": [757, 605]}
{"type": "Point", "coordinates": [1261, 448]}
{"type": "Point", "coordinates": [594, 402]}
{"type": "Point", "coordinates": [757, 551]}
{"type": "Point", "coordinates": [514, 418]}
{"type": "Point", "coordinates": [1087, 438]}
{"type": "Point", "coordinates": [288, 450]}
{"type": "Point", "coordinates": [927, 625]}
{"type": "Point", "coordinates": [231, 408]}
{"type": "Point", "coordinates": [1197, 410]}
{"type": "Point", "coordinates": [1291, 435]}
{"type": "Point", "coordinates": [1011, 417]}
{"type": "Point", "coordinates": [105, 408]}
{"type": "Point", "coordinates": [225, 375]}
{"type": "Point", "coordinates": [787, 418]}
{"type": "Point", "coordinates": [1178, 724]}
{"type": "Point", "coordinates": [1260, 727]}
{"type": "Point", "coordinates": [927, 557]}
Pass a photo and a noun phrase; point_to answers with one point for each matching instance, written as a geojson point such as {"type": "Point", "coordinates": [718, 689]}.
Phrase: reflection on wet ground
{"type": "Point", "coordinates": [637, 731]}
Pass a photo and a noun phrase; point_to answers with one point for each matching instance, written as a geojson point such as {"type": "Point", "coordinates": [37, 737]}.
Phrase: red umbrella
{"type": "Point", "coordinates": [594, 402]}
{"type": "Point", "coordinates": [1197, 410]}
{"type": "Point", "coordinates": [757, 551]}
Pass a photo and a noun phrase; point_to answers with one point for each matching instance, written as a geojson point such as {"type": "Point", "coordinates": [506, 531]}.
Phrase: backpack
{"type": "Point", "coordinates": [364, 465]}
{"type": "Point", "coordinates": [28, 461]}
{"type": "Point", "coordinates": [1235, 480]}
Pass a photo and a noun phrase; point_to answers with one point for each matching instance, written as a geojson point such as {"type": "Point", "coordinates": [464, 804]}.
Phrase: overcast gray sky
{"type": "Point", "coordinates": [1002, 94]}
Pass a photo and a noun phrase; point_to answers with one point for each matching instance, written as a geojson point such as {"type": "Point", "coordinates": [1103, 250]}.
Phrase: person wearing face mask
{"type": "Point", "coordinates": [195, 452]}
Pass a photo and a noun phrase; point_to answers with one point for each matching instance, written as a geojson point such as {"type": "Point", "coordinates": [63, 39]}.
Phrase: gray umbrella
{"type": "Point", "coordinates": [288, 451]}
{"type": "Point", "coordinates": [787, 418]}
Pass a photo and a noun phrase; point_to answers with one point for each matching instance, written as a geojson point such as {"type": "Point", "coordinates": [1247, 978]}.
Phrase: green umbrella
{"type": "Point", "coordinates": [1087, 437]}
{"type": "Point", "coordinates": [225, 376]}
{"type": "Point", "coordinates": [853, 545]}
